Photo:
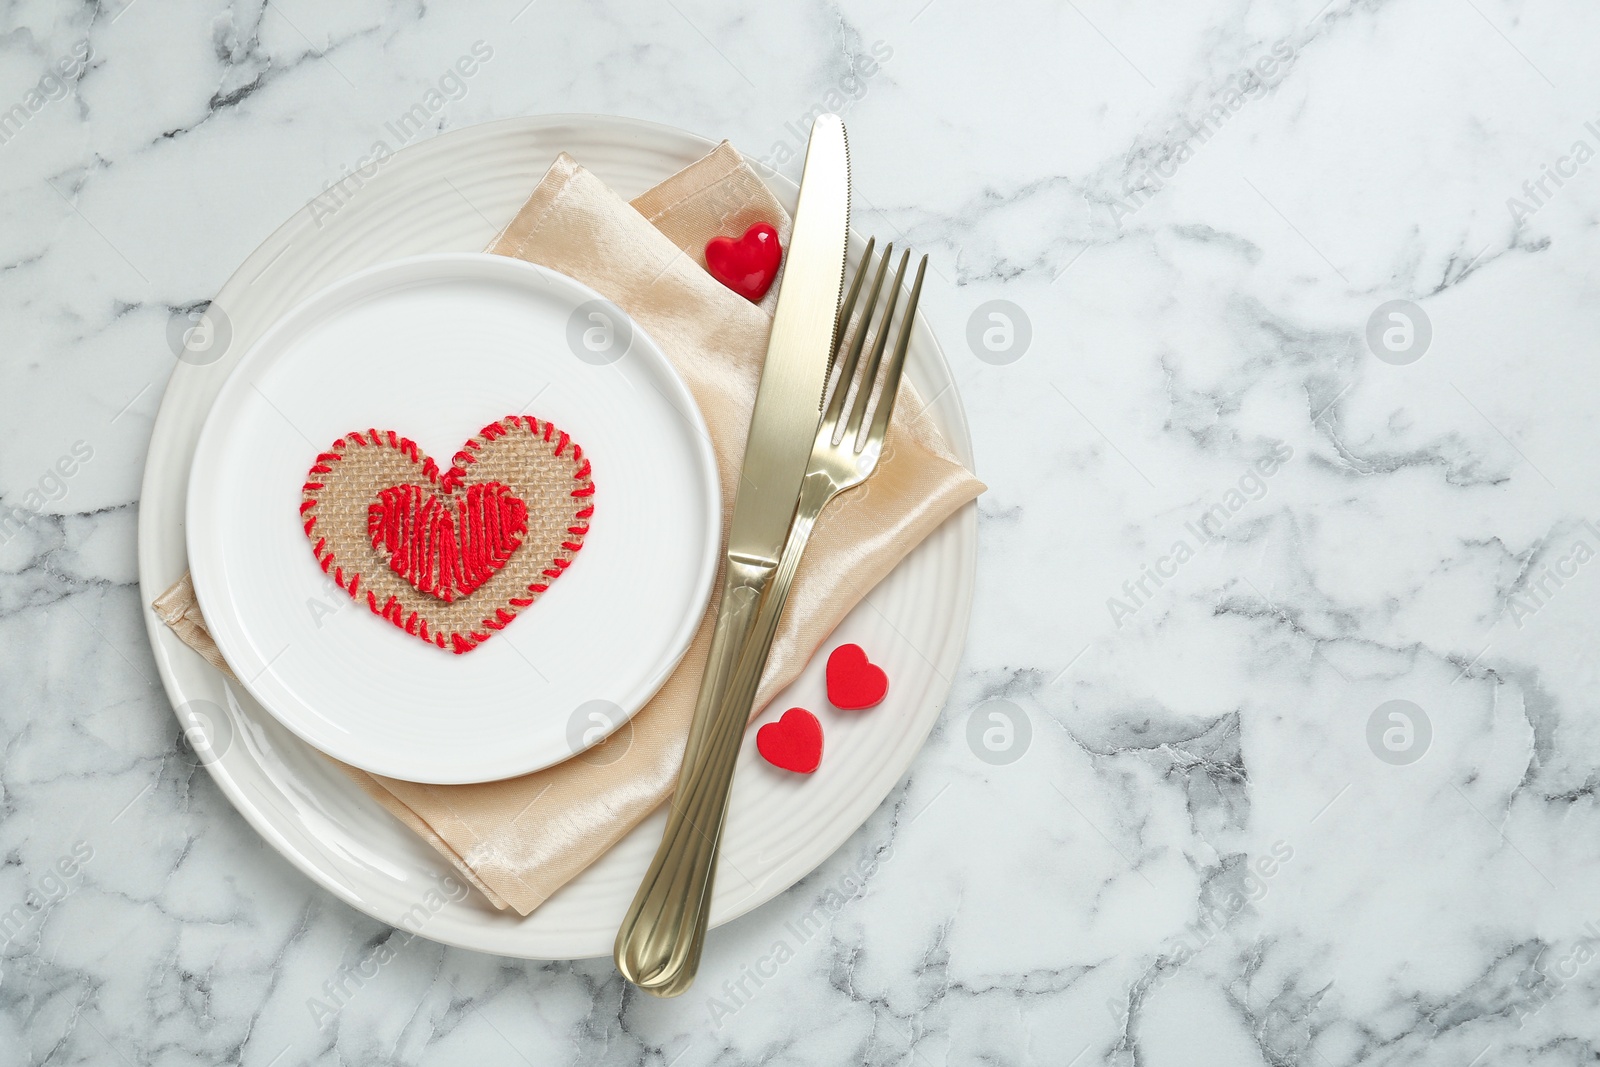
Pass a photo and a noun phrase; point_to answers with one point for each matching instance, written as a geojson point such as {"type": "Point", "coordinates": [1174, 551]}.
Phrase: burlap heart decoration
{"type": "Point", "coordinates": [449, 556]}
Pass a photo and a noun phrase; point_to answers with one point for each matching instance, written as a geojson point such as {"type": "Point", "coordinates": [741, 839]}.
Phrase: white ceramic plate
{"type": "Point", "coordinates": [450, 194]}
{"type": "Point", "coordinates": [434, 348]}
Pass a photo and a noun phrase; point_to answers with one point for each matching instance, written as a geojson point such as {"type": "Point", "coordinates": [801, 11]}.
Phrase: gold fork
{"type": "Point", "coordinates": [659, 944]}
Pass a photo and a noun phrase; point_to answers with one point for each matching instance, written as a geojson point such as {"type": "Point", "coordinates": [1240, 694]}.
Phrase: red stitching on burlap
{"type": "Point", "coordinates": [443, 550]}
{"type": "Point", "coordinates": [476, 557]}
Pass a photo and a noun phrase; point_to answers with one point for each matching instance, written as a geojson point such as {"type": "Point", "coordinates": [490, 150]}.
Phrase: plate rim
{"type": "Point", "coordinates": [157, 572]}
{"type": "Point", "coordinates": [452, 266]}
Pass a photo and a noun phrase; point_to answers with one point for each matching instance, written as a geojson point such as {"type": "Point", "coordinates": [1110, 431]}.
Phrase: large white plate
{"type": "Point", "coordinates": [433, 348]}
{"type": "Point", "coordinates": [450, 194]}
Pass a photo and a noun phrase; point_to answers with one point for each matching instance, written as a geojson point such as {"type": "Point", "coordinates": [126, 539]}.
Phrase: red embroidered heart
{"type": "Point", "coordinates": [747, 265]}
{"type": "Point", "coordinates": [447, 554]}
{"type": "Point", "coordinates": [793, 743]}
{"type": "Point", "coordinates": [448, 562]}
{"type": "Point", "coordinates": [855, 682]}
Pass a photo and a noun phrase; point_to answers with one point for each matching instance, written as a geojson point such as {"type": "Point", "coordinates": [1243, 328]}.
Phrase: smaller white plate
{"type": "Point", "coordinates": [435, 347]}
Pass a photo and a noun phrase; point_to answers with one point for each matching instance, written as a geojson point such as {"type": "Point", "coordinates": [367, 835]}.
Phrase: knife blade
{"type": "Point", "coordinates": [789, 401]}
{"type": "Point", "coordinates": [659, 943]}
{"type": "Point", "coordinates": [788, 406]}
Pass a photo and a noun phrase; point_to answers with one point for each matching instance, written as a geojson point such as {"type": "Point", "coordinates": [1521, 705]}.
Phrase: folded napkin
{"type": "Point", "coordinates": [521, 839]}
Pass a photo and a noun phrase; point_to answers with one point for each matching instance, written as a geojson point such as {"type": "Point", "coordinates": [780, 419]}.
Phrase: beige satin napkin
{"type": "Point", "coordinates": [521, 839]}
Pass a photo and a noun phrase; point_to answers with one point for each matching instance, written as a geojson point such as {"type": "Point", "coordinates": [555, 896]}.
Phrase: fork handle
{"type": "Point", "coordinates": [660, 941]}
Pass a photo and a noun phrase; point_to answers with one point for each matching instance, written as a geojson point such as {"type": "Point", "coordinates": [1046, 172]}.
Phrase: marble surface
{"type": "Point", "coordinates": [1173, 814]}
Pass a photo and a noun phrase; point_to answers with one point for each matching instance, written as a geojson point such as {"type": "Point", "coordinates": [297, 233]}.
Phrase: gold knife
{"type": "Point", "coordinates": [658, 946]}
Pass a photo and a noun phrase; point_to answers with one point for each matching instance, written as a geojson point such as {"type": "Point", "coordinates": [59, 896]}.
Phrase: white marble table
{"type": "Point", "coordinates": [1236, 509]}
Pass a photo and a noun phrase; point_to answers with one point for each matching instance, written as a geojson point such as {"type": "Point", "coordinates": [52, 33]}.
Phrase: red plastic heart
{"type": "Point", "coordinates": [855, 682]}
{"type": "Point", "coordinates": [746, 265]}
{"type": "Point", "coordinates": [443, 550]}
{"type": "Point", "coordinates": [793, 743]}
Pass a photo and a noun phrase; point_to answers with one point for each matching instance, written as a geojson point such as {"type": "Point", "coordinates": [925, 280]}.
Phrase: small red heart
{"type": "Point", "coordinates": [793, 743]}
{"type": "Point", "coordinates": [747, 265]}
{"type": "Point", "coordinates": [855, 682]}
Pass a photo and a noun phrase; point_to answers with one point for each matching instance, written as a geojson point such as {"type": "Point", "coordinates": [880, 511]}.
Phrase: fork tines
{"type": "Point", "coordinates": [846, 382]}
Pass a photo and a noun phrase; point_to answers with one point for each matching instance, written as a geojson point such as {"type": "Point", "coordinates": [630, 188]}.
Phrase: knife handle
{"type": "Point", "coordinates": [659, 944]}
{"type": "Point", "coordinates": [664, 928]}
